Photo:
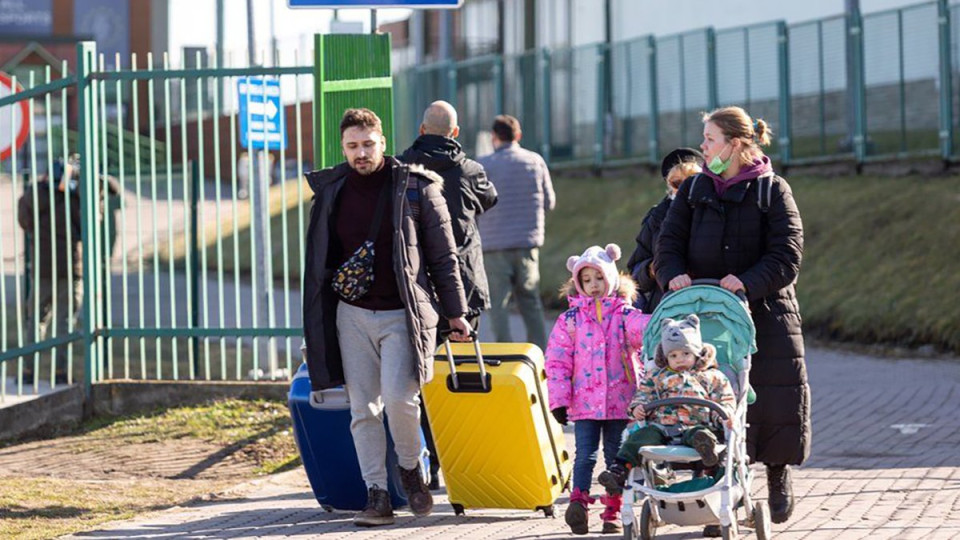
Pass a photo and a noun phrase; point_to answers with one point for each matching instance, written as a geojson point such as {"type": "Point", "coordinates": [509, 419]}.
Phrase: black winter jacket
{"type": "Point", "coordinates": [468, 193]}
{"type": "Point", "coordinates": [424, 259]}
{"type": "Point", "coordinates": [712, 236]}
{"type": "Point", "coordinates": [640, 263]}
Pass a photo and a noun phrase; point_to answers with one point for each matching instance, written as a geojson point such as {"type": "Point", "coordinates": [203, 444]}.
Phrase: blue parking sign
{"type": "Point", "coordinates": [261, 114]}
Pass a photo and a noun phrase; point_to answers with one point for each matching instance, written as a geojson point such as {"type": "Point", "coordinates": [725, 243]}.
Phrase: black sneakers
{"type": "Point", "coordinates": [614, 478]}
{"type": "Point", "coordinates": [379, 511]}
{"type": "Point", "coordinates": [418, 495]}
{"type": "Point", "coordinates": [705, 443]}
{"type": "Point", "coordinates": [779, 493]}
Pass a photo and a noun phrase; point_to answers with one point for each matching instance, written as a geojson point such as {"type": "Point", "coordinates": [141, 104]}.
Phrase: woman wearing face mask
{"type": "Point", "coordinates": [738, 223]}
{"type": "Point", "coordinates": [675, 168]}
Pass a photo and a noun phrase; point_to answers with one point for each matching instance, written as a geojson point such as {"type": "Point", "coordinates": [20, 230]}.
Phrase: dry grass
{"type": "Point", "coordinates": [115, 468]}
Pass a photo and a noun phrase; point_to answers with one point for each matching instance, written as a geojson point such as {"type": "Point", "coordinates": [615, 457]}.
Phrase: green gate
{"type": "Point", "coordinates": [164, 209]}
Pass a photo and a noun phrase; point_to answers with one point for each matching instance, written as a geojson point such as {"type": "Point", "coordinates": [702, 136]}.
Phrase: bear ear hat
{"type": "Point", "coordinates": [692, 320]}
{"type": "Point", "coordinates": [667, 321]}
{"type": "Point", "coordinates": [572, 262]}
{"type": "Point", "coordinates": [613, 251]}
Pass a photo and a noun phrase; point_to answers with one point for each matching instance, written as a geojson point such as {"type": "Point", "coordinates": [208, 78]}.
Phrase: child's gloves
{"type": "Point", "coordinates": [560, 413]}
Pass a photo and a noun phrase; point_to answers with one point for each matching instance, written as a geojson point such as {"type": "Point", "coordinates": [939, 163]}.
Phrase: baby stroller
{"type": "Point", "coordinates": [725, 322]}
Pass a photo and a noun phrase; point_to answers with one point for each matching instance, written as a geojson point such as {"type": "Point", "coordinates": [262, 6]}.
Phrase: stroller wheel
{"type": "Point", "coordinates": [648, 526]}
{"type": "Point", "coordinates": [761, 520]}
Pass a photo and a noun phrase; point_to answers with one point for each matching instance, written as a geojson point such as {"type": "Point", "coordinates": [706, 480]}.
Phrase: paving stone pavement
{"type": "Point", "coordinates": [884, 465]}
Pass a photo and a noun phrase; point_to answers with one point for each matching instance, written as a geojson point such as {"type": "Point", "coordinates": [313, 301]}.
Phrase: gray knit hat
{"type": "Point", "coordinates": [685, 334]}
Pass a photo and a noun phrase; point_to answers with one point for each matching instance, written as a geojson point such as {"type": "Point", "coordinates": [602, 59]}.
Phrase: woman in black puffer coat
{"type": "Point", "coordinates": [738, 223]}
{"type": "Point", "coordinates": [675, 168]}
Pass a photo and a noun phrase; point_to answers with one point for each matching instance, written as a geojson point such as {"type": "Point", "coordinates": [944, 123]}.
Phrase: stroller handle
{"type": "Point", "coordinates": [741, 294]}
{"type": "Point", "coordinates": [713, 406]}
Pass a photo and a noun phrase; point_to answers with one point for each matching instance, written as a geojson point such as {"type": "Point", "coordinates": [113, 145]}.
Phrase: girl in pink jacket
{"type": "Point", "coordinates": [593, 366]}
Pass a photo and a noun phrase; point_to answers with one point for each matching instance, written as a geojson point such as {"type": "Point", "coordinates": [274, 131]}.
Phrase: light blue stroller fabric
{"type": "Point", "coordinates": [725, 322]}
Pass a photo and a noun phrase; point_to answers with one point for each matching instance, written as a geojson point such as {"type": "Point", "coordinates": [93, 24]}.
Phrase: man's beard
{"type": "Point", "coordinates": [369, 166]}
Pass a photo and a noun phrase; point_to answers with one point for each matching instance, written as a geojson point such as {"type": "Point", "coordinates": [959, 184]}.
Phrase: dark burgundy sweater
{"type": "Point", "coordinates": [355, 209]}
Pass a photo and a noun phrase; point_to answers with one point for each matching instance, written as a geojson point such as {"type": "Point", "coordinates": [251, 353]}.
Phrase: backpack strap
{"type": "Point", "coordinates": [764, 192]}
{"type": "Point", "coordinates": [693, 186]}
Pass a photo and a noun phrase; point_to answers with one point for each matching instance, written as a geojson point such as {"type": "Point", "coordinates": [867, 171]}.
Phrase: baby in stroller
{"type": "Point", "coordinates": [685, 367]}
{"type": "Point", "coordinates": [695, 392]}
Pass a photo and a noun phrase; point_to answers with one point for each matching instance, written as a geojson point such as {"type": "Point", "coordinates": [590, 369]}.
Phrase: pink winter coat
{"type": "Point", "coordinates": [592, 366]}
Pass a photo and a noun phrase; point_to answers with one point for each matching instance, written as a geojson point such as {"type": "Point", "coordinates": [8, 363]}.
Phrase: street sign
{"type": "Point", "coordinates": [376, 4]}
{"type": "Point", "coordinates": [14, 119]}
{"type": "Point", "coordinates": [261, 114]}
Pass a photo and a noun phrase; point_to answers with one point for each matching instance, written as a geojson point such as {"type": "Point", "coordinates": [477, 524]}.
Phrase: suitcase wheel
{"type": "Point", "coordinates": [458, 509]}
{"type": "Point", "coordinates": [548, 511]}
{"type": "Point", "coordinates": [327, 507]}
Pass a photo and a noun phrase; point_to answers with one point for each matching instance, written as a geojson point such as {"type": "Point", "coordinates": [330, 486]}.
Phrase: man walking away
{"type": "Point", "coordinates": [468, 194]}
{"type": "Point", "coordinates": [513, 232]}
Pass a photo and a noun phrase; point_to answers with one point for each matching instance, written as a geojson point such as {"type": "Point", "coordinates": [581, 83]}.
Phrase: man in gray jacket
{"type": "Point", "coordinates": [512, 232]}
{"type": "Point", "coordinates": [378, 338]}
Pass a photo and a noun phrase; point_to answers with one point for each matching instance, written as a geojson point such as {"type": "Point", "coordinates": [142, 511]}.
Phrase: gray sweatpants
{"type": "Point", "coordinates": [378, 366]}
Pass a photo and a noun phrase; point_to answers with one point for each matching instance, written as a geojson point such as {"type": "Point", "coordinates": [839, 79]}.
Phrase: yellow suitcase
{"type": "Point", "coordinates": [498, 444]}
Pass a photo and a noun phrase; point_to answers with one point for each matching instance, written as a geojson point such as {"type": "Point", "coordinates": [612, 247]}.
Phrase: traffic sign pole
{"type": "Point", "coordinates": [262, 130]}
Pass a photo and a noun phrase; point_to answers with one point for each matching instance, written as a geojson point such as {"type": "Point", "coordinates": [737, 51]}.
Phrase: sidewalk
{"type": "Point", "coordinates": [885, 464]}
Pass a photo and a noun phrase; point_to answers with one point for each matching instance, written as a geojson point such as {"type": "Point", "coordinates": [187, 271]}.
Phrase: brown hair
{"type": "Point", "coordinates": [680, 172]}
{"type": "Point", "coordinates": [364, 118]}
{"type": "Point", "coordinates": [506, 128]}
{"type": "Point", "coordinates": [735, 123]}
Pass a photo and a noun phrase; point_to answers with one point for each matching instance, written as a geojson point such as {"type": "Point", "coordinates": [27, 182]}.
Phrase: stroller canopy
{"type": "Point", "coordinates": [725, 323]}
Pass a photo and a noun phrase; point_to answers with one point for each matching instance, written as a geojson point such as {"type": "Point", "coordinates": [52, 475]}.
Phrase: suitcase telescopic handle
{"type": "Point", "coordinates": [453, 365]}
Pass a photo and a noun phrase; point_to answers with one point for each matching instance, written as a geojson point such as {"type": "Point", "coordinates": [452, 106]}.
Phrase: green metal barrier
{"type": "Point", "coordinates": [167, 235]}
{"type": "Point", "coordinates": [858, 88]}
{"type": "Point", "coordinates": [350, 71]}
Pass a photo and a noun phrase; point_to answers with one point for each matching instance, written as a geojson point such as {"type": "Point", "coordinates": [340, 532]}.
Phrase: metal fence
{"type": "Point", "coordinates": [862, 88]}
{"type": "Point", "coordinates": [158, 219]}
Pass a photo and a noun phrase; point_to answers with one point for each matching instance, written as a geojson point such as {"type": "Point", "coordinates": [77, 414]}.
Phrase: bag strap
{"type": "Point", "coordinates": [693, 185]}
{"type": "Point", "coordinates": [378, 213]}
{"type": "Point", "coordinates": [764, 192]}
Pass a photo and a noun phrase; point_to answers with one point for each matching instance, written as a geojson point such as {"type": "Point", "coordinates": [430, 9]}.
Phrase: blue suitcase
{"type": "Point", "coordinates": [322, 432]}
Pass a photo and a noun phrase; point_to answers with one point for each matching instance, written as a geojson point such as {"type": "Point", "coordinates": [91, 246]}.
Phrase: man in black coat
{"type": "Point", "coordinates": [468, 193]}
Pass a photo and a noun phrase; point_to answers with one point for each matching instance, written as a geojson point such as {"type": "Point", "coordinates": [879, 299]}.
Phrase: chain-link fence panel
{"type": "Point", "coordinates": [683, 88]}
{"type": "Point", "coordinates": [522, 95]}
{"type": "Point", "coordinates": [748, 73]}
{"type": "Point", "coordinates": [632, 94]}
{"type": "Point", "coordinates": [819, 101]}
{"type": "Point", "coordinates": [901, 80]}
{"type": "Point", "coordinates": [479, 87]}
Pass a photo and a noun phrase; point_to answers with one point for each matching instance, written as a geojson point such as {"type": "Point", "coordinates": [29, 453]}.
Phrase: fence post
{"type": "Point", "coordinates": [712, 99]}
{"type": "Point", "coordinates": [193, 273]}
{"type": "Point", "coordinates": [856, 82]}
{"type": "Point", "coordinates": [601, 121]}
{"type": "Point", "coordinates": [783, 51]}
{"type": "Point", "coordinates": [654, 135]}
{"type": "Point", "coordinates": [86, 58]}
{"type": "Point", "coordinates": [545, 108]}
{"type": "Point", "coordinates": [452, 83]}
{"type": "Point", "coordinates": [498, 85]}
{"type": "Point", "coordinates": [946, 81]}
